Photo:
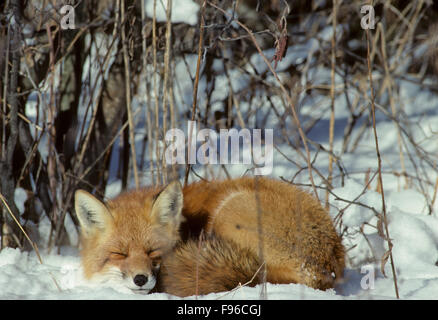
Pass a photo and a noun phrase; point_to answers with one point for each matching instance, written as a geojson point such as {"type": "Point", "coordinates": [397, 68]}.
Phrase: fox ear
{"type": "Point", "coordinates": [91, 212]}
{"type": "Point", "coordinates": [168, 205]}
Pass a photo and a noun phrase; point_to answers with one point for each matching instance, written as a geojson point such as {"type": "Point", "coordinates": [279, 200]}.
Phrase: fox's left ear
{"type": "Point", "coordinates": [167, 208]}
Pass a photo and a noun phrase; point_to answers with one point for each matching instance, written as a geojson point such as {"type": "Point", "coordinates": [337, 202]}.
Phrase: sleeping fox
{"type": "Point", "coordinates": [209, 237]}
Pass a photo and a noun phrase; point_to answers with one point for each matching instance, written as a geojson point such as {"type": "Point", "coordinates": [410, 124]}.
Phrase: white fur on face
{"type": "Point", "coordinates": [116, 279]}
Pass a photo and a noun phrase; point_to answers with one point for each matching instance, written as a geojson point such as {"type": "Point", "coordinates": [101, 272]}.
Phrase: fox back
{"type": "Point", "coordinates": [250, 222]}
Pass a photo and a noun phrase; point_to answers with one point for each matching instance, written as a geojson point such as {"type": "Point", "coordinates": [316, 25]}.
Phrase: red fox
{"type": "Point", "coordinates": [209, 237]}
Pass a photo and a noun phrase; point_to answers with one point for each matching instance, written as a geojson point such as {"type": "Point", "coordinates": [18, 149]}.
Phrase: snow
{"type": "Point", "coordinates": [414, 235]}
{"type": "Point", "coordinates": [60, 277]}
{"type": "Point", "coordinates": [355, 215]}
{"type": "Point", "coordinates": [415, 243]}
{"type": "Point", "coordinates": [183, 11]}
{"type": "Point", "coordinates": [20, 197]}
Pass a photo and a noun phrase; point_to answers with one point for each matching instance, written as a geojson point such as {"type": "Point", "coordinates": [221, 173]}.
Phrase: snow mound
{"type": "Point", "coordinates": [183, 11]}
{"type": "Point", "coordinates": [415, 240]}
{"type": "Point", "coordinates": [355, 215]}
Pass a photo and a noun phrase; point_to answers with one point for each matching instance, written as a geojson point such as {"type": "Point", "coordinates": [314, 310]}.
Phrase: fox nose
{"type": "Point", "coordinates": [140, 280]}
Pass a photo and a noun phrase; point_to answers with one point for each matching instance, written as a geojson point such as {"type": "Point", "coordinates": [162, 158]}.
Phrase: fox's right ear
{"type": "Point", "coordinates": [168, 206]}
{"type": "Point", "coordinates": [92, 213]}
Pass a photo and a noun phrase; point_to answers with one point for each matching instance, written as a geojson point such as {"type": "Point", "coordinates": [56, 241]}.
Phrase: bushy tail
{"type": "Point", "coordinates": [208, 265]}
{"type": "Point", "coordinates": [216, 265]}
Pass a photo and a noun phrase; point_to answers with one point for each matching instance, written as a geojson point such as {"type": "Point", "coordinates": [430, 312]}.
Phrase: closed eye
{"type": "Point", "coordinates": [154, 253]}
{"type": "Point", "coordinates": [118, 255]}
{"type": "Point", "coordinates": [155, 256]}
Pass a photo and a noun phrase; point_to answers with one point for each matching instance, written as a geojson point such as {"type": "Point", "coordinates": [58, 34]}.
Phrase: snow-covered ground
{"type": "Point", "coordinates": [60, 277]}
{"type": "Point", "coordinates": [412, 225]}
{"type": "Point", "coordinates": [413, 233]}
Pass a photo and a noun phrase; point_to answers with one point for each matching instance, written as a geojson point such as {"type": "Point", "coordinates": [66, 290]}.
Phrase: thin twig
{"type": "Point", "coordinates": [166, 78]}
{"type": "Point", "coordinates": [128, 94]}
{"type": "Point", "coordinates": [379, 162]}
{"type": "Point", "coordinates": [283, 89]}
{"type": "Point", "coordinates": [147, 100]}
{"type": "Point", "coordinates": [389, 81]}
{"type": "Point", "coordinates": [113, 140]}
{"type": "Point", "coordinates": [332, 96]}
{"type": "Point", "coordinates": [33, 244]}
{"type": "Point", "coordinates": [246, 283]}
{"type": "Point", "coordinates": [157, 111]}
{"type": "Point", "coordinates": [195, 88]}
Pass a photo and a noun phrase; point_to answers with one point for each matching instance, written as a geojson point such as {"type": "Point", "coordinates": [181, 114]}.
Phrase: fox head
{"type": "Point", "coordinates": [123, 240]}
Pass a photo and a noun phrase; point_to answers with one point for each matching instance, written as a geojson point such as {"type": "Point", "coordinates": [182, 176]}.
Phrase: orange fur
{"type": "Point", "coordinates": [213, 265]}
{"type": "Point", "coordinates": [270, 220]}
{"type": "Point", "coordinates": [129, 242]}
{"type": "Point", "coordinates": [246, 221]}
